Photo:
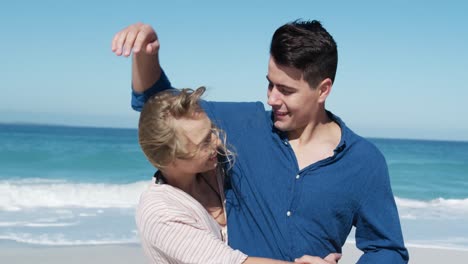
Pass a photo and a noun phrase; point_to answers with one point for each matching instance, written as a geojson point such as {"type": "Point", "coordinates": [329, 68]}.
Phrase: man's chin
{"type": "Point", "coordinates": [281, 126]}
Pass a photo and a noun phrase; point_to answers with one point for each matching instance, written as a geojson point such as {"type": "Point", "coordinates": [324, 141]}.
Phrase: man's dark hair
{"type": "Point", "coordinates": [307, 46]}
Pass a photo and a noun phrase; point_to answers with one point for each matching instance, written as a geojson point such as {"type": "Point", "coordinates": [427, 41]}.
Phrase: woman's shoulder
{"type": "Point", "coordinates": [160, 204]}
{"type": "Point", "coordinates": [164, 201]}
{"type": "Point", "coordinates": [162, 196]}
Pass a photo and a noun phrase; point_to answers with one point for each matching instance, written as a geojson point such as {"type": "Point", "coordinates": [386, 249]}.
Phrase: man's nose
{"type": "Point", "coordinates": [273, 97]}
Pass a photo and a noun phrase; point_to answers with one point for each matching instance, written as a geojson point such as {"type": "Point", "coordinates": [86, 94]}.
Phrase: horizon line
{"type": "Point", "coordinates": [136, 128]}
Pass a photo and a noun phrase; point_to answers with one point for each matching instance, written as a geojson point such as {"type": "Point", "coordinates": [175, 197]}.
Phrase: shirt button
{"type": "Point", "coordinates": [288, 213]}
{"type": "Point", "coordinates": [285, 143]}
{"type": "Point", "coordinates": [298, 176]}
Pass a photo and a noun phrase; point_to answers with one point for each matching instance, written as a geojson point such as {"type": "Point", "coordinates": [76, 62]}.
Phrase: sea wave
{"type": "Point", "coordinates": [32, 181]}
{"type": "Point", "coordinates": [36, 193]}
{"type": "Point", "coordinates": [35, 224]}
{"type": "Point", "coordinates": [17, 195]}
{"type": "Point", "coordinates": [62, 240]}
{"type": "Point", "coordinates": [440, 208]}
{"type": "Point", "coordinates": [429, 244]}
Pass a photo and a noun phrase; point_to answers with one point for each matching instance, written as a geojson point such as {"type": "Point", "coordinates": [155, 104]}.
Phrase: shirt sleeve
{"type": "Point", "coordinates": [139, 99]}
{"type": "Point", "coordinates": [378, 231]}
{"type": "Point", "coordinates": [179, 237]}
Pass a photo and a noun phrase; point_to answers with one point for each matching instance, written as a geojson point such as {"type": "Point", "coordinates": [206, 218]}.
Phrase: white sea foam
{"type": "Point", "coordinates": [458, 243]}
{"type": "Point", "coordinates": [87, 215]}
{"type": "Point", "coordinates": [436, 208]}
{"type": "Point", "coordinates": [61, 240]}
{"type": "Point", "coordinates": [17, 195]}
{"type": "Point", "coordinates": [34, 193]}
{"type": "Point", "coordinates": [424, 244]}
{"type": "Point", "coordinates": [35, 224]}
{"type": "Point", "coordinates": [33, 181]}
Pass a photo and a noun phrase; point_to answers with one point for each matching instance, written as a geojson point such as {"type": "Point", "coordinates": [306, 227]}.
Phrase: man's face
{"type": "Point", "coordinates": [294, 103]}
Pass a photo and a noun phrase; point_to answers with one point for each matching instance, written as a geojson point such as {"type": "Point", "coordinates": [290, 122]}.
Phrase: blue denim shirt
{"type": "Point", "coordinates": [278, 211]}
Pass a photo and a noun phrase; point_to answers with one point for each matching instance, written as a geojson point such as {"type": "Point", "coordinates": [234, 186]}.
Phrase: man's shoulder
{"type": "Point", "coordinates": [364, 144]}
{"type": "Point", "coordinates": [361, 146]}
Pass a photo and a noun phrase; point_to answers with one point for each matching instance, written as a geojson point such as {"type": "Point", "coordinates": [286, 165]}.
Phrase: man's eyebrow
{"type": "Point", "coordinates": [281, 85]}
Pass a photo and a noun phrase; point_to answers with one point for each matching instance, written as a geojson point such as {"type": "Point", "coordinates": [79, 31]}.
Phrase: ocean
{"type": "Point", "coordinates": [64, 186]}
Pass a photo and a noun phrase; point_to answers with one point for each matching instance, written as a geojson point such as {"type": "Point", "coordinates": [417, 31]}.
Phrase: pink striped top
{"type": "Point", "coordinates": [176, 228]}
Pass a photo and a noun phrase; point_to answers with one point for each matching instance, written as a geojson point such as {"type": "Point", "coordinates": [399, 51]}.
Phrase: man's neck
{"type": "Point", "coordinates": [316, 130]}
{"type": "Point", "coordinates": [316, 141]}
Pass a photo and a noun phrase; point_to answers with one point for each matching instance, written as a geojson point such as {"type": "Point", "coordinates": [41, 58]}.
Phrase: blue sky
{"type": "Point", "coordinates": [402, 73]}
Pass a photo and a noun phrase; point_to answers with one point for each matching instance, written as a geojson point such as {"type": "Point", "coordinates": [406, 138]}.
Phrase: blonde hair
{"type": "Point", "coordinates": [158, 135]}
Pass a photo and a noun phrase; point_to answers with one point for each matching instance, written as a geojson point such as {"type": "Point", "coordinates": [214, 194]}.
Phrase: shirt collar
{"type": "Point", "coordinates": [344, 132]}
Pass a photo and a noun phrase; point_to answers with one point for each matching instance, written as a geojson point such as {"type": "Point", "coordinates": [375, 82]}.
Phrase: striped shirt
{"type": "Point", "coordinates": [176, 228]}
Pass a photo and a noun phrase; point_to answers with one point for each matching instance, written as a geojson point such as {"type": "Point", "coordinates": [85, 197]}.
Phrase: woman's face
{"type": "Point", "coordinates": [201, 141]}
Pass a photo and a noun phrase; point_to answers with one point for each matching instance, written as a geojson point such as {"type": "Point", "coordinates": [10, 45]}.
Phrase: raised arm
{"type": "Point", "coordinates": [141, 40]}
{"type": "Point", "coordinates": [148, 78]}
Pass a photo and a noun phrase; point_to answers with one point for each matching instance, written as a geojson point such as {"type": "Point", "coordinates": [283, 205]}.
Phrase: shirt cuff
{"type": "Point", "coordinates": [139, 99]}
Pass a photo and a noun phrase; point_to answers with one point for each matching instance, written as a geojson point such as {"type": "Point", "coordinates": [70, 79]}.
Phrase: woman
{"type": "Point", "coordinates": [181, 218]}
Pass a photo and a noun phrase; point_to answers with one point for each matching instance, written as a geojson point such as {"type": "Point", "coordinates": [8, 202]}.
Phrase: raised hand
{"type": "Point", "coordinates": [135, 38]}
{"type": "Point", "coordinates": [141, 40]}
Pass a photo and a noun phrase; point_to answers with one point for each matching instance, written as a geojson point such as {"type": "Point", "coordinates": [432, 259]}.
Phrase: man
{"type": "Point", "coordinates": [302, 178]}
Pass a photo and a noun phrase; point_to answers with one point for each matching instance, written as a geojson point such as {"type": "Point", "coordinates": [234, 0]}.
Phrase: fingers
{"type": "Point", "coordinates": [330, 259]}
{"type": "Point", "coordinates": [137, 37]}
{"type": "Point", "coordinates": [333, 258]}
{"type": "Point", "coordinates": [310, 260]}
{"type": "Point", "coordinates": [153, 47]}
{"type": "Point", "coordinates": [115, 43]}
{"type": "Point", "coordinates": [129, 42]}
{"type": "Point", "coordinates": [118, 42]}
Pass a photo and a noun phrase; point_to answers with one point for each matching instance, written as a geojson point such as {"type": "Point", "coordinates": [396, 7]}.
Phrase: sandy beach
{"type": "Point", "coordinates": [120, 254]}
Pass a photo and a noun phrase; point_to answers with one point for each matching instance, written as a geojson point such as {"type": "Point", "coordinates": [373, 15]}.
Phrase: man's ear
{"type": "Point", "coordinates": [324, 89]}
